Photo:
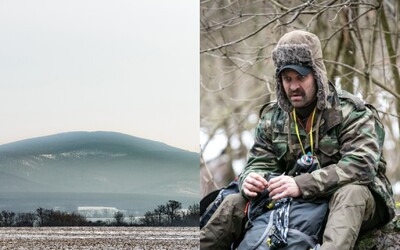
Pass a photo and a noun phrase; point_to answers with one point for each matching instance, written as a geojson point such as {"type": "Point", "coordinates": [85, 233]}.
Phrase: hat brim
{"type": "Point", "coordinates": [302, 70]}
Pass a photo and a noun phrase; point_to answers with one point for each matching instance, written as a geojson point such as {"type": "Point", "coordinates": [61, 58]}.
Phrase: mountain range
{"type": "Point", "coordinates": [75, 169]}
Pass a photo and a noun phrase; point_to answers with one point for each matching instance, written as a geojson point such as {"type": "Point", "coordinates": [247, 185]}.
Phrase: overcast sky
{"type": "Point", "coordinates": [100, 65]}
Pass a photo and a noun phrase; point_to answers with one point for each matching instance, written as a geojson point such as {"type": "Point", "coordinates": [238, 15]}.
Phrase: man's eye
{"type": "Point", "coordinates": [301, 77]}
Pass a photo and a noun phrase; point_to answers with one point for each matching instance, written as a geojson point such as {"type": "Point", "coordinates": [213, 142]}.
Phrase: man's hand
{"type": "Point", "coordinates": [283, 186]}
{"type": "Point", "coordinates": [253, 184]}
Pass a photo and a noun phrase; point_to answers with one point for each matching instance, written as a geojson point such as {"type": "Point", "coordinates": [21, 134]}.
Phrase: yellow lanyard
{"type": "Point", "coordinates": [311, 133]}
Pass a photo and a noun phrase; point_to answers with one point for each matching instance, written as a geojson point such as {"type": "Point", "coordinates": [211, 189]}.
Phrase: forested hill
{"type": "Point", "coordinates": [98, 162]}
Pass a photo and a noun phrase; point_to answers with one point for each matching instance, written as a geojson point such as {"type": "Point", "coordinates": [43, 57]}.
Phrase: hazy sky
{"type": "Point", "coordinates": [90, 65]}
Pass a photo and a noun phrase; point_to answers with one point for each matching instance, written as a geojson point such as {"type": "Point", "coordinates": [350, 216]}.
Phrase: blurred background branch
{"type": "Point", "coordinates": [361, 52]}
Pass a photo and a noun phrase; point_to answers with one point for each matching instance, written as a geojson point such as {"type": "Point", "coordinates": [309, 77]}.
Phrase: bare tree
{"type": "Point", "coordinates": [160, 212]}
{"type": "Point", "coordinates": [42, 215]}
{"type": "Point", "coordinates": [119, 218]}
{"type": "Point", "coordinates": [7, 218]}
{"type": "Point", "coordinates": [172, 210]}
{"type": "Point", "coordinates": [360, 42]}
{"type": "Point", "coordinates": [149, 219]}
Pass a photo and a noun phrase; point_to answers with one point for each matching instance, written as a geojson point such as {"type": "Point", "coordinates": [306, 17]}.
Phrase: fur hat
{"type": "Point", "coordinates": [304, 49]}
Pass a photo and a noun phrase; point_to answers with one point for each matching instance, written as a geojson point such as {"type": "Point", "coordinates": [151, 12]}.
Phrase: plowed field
{"type": "Point", "coordinates": [100, 238]}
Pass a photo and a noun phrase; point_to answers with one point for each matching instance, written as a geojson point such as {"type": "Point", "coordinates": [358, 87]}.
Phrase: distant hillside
{"type": "Point", "coordinates": [98, 162]}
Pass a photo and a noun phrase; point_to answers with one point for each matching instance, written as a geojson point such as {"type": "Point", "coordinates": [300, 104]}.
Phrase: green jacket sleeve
{"type": "Point", "coordinates": [262, 158]}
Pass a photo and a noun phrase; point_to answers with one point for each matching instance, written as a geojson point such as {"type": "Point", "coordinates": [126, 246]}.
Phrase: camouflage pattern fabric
{"type": "Point", "coordinates": [348, 134]}
{"type": "Point", "coordinates": [348, 146]}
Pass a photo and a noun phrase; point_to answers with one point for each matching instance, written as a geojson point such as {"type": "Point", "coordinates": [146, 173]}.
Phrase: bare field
{"type": "Point", "coordinates": [100, 238]}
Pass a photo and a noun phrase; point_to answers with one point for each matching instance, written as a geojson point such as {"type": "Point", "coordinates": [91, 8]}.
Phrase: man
{"type": "Point", "coordinates": [336, 128]}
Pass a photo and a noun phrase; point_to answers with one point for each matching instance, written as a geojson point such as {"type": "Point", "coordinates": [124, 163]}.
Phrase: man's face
{"type": "Point", "coordinates": [300, 90]}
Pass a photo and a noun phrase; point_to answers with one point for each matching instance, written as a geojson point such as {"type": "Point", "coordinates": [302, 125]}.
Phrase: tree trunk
{"type": "Point", "coordinates": [391, 53]}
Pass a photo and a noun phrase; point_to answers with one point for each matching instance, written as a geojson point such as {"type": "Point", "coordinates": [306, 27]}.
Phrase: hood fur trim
{"type": "Point", "coordinates": [301, 48]}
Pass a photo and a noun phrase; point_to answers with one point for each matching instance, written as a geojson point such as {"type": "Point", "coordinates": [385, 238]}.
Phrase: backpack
{"type": "Point", "coordinates": [293, 224]}
{"type": "Point", "coordinates": [289, 223]}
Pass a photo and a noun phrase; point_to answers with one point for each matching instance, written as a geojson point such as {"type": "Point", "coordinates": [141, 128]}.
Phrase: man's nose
{"type": "Point", "coordinates": [294, 85]}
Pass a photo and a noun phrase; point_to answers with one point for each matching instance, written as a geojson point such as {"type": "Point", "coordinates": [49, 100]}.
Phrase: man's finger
{"type": "Point", "coordinates": [259, 178]}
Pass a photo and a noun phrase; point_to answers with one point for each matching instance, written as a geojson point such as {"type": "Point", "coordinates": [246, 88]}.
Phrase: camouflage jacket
{"type": "Point", "coordinates": [348, 144]}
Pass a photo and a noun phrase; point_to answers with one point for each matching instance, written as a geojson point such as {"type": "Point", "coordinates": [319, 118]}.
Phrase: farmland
{"type": "Point", "coordinates": [99, 238]}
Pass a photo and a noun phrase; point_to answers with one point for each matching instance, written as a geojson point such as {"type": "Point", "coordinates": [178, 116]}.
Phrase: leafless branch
{"type": "Point", "coordinates": [346, 24]}
{"type": "Point", "coordinates": [376, 82]}
{"type": "Point", "coordinates": [302, 6]}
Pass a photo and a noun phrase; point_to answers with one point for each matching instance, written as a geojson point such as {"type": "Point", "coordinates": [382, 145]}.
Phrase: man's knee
{"type": "Point", "coordinates": [352, 195]}
{"type": "Point", "coordinates": [226, 224]}
{"type": "Point", "coordinates": [231, 209]}
{"type": "Point", "coordinates": [350, 206]}
{"type": "Point", "coordinates": [235, 200]}
{"type": "Point", "coordinates": [355, 201]}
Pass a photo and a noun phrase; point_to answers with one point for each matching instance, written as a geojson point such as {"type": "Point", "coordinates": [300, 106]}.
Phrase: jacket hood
{"type": "Point", "coordinates": [300, 48]}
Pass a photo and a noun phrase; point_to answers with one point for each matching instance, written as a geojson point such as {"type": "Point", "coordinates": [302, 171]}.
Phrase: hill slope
{"type": "Point", "coordinates": [98, 162]}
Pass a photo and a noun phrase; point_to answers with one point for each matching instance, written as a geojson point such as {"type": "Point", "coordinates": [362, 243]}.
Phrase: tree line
{"type": "Point", "coordinates": [170, 214]}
